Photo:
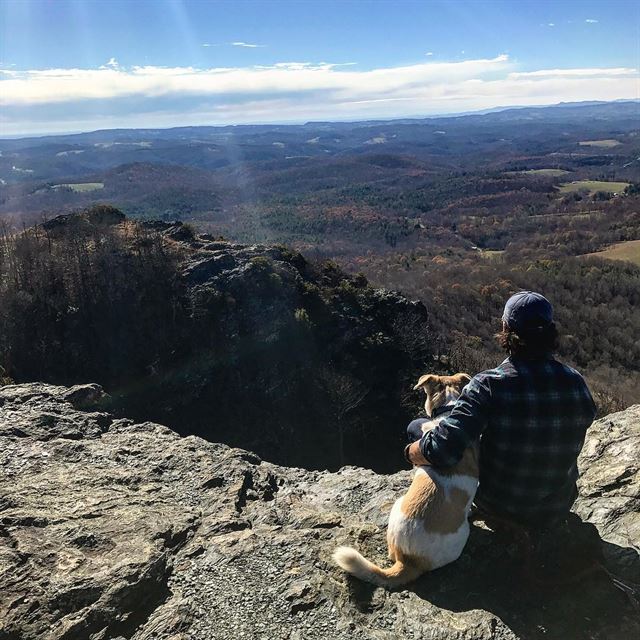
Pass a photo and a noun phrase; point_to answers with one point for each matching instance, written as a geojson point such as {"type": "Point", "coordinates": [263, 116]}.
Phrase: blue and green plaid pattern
{"type": "Point", "coordinates": [531, 417]}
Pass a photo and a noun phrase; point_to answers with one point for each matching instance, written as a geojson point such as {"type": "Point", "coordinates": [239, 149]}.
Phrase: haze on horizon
{"type": "Point", "coordinates": [75, 66]}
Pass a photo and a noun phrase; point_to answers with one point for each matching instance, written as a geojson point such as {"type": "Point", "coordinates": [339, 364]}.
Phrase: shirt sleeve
{"type": "Point", "coordinates": [444, 445]}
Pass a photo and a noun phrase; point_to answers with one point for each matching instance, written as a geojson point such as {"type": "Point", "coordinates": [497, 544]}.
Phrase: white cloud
{"type": "Point", "coordinates": [577, 73]}
{"type": "Point", "coordinates": [551, 24]}
{"type": "Point", "coordinates": [429, 53]}
{"type": "Point", "coordinates": [287, 91]}
{"type": "Point", "coordinates": [591, 21]}
{"type": "Point", "coordinates": [112, 64]}
{"type": "Point", "coordinates": [248, 45]}
{"type": "Point", "coordinates": [66, 85]}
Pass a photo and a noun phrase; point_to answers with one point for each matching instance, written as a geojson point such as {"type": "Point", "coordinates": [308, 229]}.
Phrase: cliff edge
{"type": "Point", "coordinates": [113, 529]}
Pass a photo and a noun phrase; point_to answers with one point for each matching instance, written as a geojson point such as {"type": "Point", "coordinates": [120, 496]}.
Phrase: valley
{"type": "Point", "coordinates": [457, 212]}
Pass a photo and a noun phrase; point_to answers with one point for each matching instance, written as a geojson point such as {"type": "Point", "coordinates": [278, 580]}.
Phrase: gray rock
{"type": "Point", "coordinates": [130, 531]}
{"type": "Point", "coordinates": [86, 396]}
{"type": "Point", "coordinates": [610, 484]}
{"type": "Point", "coordinates": [203, 267]}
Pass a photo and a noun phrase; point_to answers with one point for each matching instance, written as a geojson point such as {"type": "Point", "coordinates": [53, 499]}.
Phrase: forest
{"type": "Point", "coordinates": [455, 212]}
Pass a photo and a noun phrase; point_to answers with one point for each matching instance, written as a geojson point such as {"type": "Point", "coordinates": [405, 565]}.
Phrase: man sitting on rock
{"type": "Point", "coordinates": [531, 414]}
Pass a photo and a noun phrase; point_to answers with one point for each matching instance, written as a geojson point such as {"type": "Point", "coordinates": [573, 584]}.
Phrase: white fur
{"type": "Point", "coordinates": [412, 535]}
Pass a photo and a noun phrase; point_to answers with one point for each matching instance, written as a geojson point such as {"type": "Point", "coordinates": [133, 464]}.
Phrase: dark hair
{"type": "Point", "coordinates": [534, 345]}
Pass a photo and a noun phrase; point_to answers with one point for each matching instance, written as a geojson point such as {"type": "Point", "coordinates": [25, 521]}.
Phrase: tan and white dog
{"type": "Point", "coordinates": [428, 526]}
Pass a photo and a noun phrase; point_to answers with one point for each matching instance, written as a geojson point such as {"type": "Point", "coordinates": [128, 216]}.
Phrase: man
{"type": "Point", "coordinates": [531, 414]}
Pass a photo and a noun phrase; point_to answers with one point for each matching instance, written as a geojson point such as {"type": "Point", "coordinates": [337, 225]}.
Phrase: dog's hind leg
{"type": "Point", "coordinates": [393, 556]}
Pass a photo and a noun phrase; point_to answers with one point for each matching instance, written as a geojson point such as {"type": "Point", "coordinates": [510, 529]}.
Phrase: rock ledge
{"type": "Point", "coordinates": [112, 529]}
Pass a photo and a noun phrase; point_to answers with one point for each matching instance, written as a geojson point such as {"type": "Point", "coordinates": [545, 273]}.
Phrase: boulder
{"type": "Point", "coordinates": [127, 530]}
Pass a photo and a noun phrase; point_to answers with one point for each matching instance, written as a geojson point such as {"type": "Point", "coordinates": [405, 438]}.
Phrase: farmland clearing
{"type": "Point", "coordinates": [593, 186]}
{"type": "Point", "coordinates": [81, 187]}
{"type": "Point", "coordinates": [628, 251]}
{"type": "Point", "coordinates": [552, 173]}
{"type": "Point", "coordinates": [603, 144]}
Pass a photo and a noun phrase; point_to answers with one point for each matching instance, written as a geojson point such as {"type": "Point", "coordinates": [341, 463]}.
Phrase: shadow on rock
{"type": "Point", "coordinates": [489, 576]}
{"type": "Point", "coordinates": [491, 572]}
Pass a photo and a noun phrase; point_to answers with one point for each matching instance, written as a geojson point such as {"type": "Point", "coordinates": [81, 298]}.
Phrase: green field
{"type": "Point", "coordinates": [593, 186]}
{"type": "Point", "coordinates": [605, 144]}
{"type": "Point", "coordinates": [553, 173]}
{"type": "Point", "coordinates": [82, 187]}
{"type": "Point", "coordinates": [629, 251]}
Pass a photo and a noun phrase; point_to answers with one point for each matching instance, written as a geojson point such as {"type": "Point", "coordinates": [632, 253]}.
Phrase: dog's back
{"type": "Point", "coordinates": [430, 520]}
{"type": "Point", "coordinates": [428, 526]}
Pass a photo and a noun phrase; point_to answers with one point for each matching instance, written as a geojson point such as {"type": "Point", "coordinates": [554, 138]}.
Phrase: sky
{"type": "Point", "coordinates": [68, 66]}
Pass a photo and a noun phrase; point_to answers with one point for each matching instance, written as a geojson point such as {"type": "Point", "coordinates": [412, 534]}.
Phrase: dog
{"type": "Point", "coordinates": [428, 527]}
{"type": "Point", "coordinates": [442, 393]}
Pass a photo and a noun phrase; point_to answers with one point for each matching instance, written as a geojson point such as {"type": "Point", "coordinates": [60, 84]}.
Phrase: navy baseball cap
{"type": "Point", "coordinates": [527, 312]}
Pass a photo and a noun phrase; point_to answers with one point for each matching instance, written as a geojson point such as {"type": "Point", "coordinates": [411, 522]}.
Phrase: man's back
{"type": "Point", "coordinates": [540, 412]}
{"type": "Point", "coordinates": [532, 415]}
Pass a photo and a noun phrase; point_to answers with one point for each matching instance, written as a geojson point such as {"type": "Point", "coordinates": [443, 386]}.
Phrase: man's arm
{"type": "Point", "coordinates": [444, 445]}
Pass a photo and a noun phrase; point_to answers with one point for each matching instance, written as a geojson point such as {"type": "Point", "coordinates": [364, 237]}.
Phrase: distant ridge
{"type": "Point", "coordinates": [500, 113]}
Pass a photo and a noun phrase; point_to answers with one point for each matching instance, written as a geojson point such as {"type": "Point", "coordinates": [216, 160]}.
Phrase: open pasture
{"type": "Point", "coordinates": [551, 173]}
{"type": "Point", "coordinates": [82, 187]}
{"type": "Point", "coordinates": [593, 186]}
{"type": "Point", "coordinates": [629, 251]}
{"type": "Point", "coordinates": [603, 144]}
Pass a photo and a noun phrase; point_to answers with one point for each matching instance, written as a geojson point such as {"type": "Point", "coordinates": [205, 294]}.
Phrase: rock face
{"type": "Point", "coordinates": [297, 361]}
{"type": "Point", "coordinates": [304, 365]}
{"type": "Point", "coordinates": [112, 529]}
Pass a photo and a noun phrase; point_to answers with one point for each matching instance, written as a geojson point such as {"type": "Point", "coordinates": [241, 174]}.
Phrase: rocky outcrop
{"type": "Point", "coordinates": [112, 529]}
{"type": "Point", "coordinates": [250, 345]}
{"type": "Point", "coordinates": [304, 364]}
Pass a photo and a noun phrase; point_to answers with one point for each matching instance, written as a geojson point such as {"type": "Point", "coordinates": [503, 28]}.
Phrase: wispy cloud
{"type": "Point", "coordinates": [429, 53]}
{"type": "Point", "coordinates": [55, 99]}
{"type": "Point", "coordinates": [591, 21]}
{"type": "Point", "coordinates": [111, 64]}
{"type": "Point", "coordinates": [597, 72]}
{"type": "Point", "coordinates": [247, 45]}
{"type": "Point", "coordinates": [239, 43]}
{"type": "Point", "coordinates": [551, 24]}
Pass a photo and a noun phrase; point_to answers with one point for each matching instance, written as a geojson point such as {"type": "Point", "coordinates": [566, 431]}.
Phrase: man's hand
{"type": "Point", "coordinates": [413, 454]}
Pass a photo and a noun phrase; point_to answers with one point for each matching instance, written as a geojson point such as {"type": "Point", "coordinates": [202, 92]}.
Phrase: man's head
{"type": "Point", "coordinates": [528, 329]}
{"type": "Point", "coordinates": [527, 312]}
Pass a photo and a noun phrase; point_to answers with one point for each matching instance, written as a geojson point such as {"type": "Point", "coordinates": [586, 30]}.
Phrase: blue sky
{"type": "Point", "coordinates": [69, 66]}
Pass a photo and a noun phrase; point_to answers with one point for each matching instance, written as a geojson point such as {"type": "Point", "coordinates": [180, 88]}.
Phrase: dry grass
{"type": "Point", "coordinates": [552, 173]}
{"type": "Point", "coordinates": [628, 251]}
{"type": "Point", "coordinates": [82, 187]}
{"type": "Point", "coordinates": [491, 254]}
{"type": "Point", "coordinates": [604, 144]}
{"type": "Point", "coordinates": [593, 186]}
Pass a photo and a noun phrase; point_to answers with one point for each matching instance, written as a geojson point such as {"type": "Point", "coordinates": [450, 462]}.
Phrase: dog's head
{"type": "Point", "coordinates": [441, 390]}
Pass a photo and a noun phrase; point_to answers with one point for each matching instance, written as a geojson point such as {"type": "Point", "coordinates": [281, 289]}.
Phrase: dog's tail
{"type": "Point", "coordinates": [402, 572]}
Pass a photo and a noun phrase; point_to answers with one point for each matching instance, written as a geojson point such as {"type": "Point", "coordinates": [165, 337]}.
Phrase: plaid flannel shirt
{"type": "Point", "coordinates": [531, 417]}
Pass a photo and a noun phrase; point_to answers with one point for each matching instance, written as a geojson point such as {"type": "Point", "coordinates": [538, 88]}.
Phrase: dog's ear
{"type": "Point", "coordinates": [428, 381]}
{"type": "Point", "coordinates": [462, 379]}
{"type": "Point", "coordinates": [459, 381]}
